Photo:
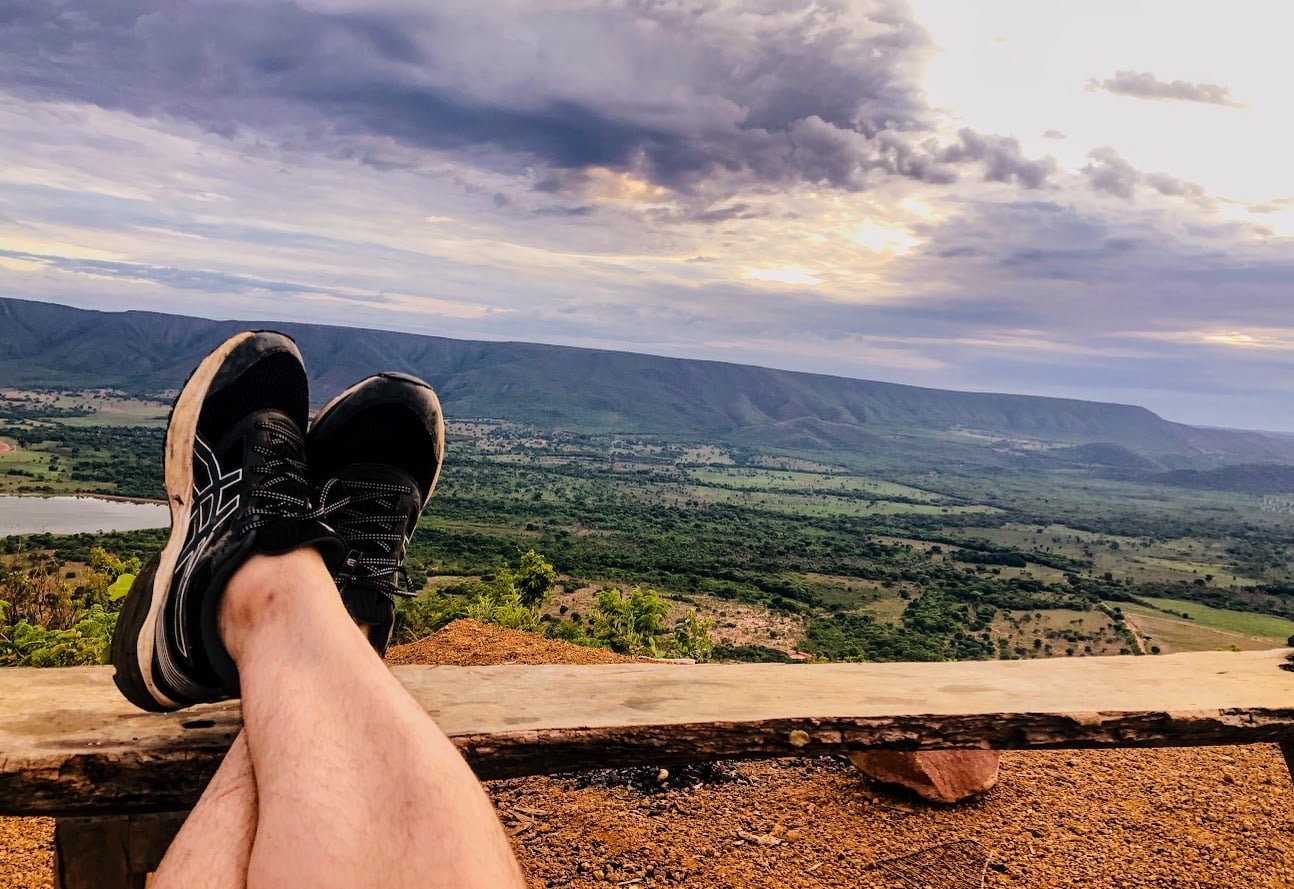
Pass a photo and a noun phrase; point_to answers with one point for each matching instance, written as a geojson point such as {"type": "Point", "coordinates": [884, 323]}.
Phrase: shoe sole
{"type": "Point", "coordinates": [407, 378]}
{"type": "Point", "coordinates": [143, 608]}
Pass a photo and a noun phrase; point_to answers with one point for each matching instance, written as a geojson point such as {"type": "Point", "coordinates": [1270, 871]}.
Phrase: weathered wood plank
{"type": "Point", "coordinates": [70, 745]}
{"type": "Point", "coordinates": [111, 851]}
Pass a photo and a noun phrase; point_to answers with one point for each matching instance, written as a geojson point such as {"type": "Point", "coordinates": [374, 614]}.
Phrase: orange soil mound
{"type": "Point", "coordinates": [470, 643]}
{"type": "Point", "coordinates": [1169, 819]}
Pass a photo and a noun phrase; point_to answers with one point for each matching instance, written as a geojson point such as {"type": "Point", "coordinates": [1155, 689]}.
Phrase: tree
{"type": "Point", "coordinates": [535, 579]}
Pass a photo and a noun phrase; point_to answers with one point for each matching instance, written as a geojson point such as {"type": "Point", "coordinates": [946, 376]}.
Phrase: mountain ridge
{"type": "Point", "coordinates": [46, 344]}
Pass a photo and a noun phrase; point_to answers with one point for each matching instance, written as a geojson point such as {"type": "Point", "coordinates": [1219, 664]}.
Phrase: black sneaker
{"type": "Point", "coordinates": [237, 484]}
{"type": "Point", "coordinates": [375, 453]}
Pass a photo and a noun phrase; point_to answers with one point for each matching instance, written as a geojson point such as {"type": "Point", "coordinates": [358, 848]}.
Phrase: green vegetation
{"type": "Point", "coordinates": [701, 549]}
{"type": "Point", "coordinates": [54, 617]}
{"type": "Point", "coordinates": [630, 623]}
{"type": "Point", "coordinates": [49, 450]}
{"type": "Point", "coordinates": [1261, 626]}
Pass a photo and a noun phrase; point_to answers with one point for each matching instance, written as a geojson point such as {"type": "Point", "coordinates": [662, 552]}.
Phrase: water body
{"type": "Point", "coordinates": [72, 515]}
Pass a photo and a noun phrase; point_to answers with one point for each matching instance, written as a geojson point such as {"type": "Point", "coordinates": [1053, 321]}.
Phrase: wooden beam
{"type": "Point", "coordinates": [69, 744]}
{"type": "Point", "coordinates": [111, 851]}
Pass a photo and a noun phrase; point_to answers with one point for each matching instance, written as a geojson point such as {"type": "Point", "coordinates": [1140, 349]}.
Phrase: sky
{"type": "Point", "coordinates": [1087, 200]}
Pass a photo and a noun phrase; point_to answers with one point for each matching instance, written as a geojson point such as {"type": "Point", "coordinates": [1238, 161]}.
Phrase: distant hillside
{"type": "Point", "coordinates": [1257, 479]}
{"type": "Point", "coordinates": [49, 345]}
{"type": "Point", "coordinates": [1102, 454]}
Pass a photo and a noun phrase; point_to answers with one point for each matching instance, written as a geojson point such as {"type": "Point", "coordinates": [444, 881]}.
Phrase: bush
{"type": "Point", "coordinates": [424, 615]}
{"type": "Point", "coordinates": [87, 642]}
{"type": "Point", "coordinates": [692, 638]}
{"type": "Point", "coordinates": [46, 621]}
{"type": "Point", "coordinates": [507, 610]}
{"type": "Point", "coordinates": [630, 624]}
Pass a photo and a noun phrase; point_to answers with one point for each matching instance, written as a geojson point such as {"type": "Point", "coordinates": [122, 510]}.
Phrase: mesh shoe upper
{"type": "Point", "coordinates": [252, 493]}
{"type": "Point", "coordinates": [376, 453]}
{"type": "Point", "coordinates": [237, 483]}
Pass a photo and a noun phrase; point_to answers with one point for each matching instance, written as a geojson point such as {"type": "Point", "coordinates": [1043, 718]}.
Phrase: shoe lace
{"type": "Point", "coordinates": [369, 517]}
{"type": "Point", "coordinates": [284, 490]}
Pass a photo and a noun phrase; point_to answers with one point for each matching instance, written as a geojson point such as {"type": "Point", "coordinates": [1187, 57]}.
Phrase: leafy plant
{"type": "Point", "coordinates": [692, 638]}
{"type": "Point", "coordinates": [87, 642]}
{"type": "Point", "coordinates": [425, 614]}
{"type": "Point", "coordinates": [630, 624]}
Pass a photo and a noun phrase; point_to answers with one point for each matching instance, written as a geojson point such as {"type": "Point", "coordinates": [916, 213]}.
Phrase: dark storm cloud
{"type": "Point", "coordinates": [1144, 85]}
{"type": "Point", "coordinates": [815, 90]}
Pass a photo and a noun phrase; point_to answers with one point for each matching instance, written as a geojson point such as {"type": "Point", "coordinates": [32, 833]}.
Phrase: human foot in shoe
{"type": "Point", "coordinates": [375, 453]}
{"type": "Point", "coordinates": [237, 485]}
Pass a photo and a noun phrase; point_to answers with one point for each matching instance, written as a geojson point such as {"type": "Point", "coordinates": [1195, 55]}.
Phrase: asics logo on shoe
{"type": "Point", "coordinates": [213, 504]}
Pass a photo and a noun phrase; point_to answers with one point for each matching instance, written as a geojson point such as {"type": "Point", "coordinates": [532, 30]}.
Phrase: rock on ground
{"type": "Point", "coordinates": [941, 776]}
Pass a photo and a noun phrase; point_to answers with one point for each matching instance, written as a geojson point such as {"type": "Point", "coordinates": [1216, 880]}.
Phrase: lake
{"type": "Point", "coordinates": [72, 515]}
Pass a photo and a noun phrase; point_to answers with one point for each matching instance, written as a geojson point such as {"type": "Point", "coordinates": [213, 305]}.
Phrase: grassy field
{"type": "Point", "coordinates": [1177, 634]}
{"type": "Point", "coordinates": [1258, 626]}
{"type": "Point", "coordinates": [857, 559]}
{"type": "Point", "coordinates": [14, 460]}
{"type": "Point", "coordinates": [1140, 559]}
{"type": "Point", "coordinates": [94, 407]}
{"type": "Point", "coordinates": [823, 505]}
{"type": "Point", "coordinates": [775, 480]}
{"type": "Point", "coordinates": [1056, 631]}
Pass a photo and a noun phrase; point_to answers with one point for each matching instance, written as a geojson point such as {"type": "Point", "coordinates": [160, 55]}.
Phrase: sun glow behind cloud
{"type": "Point", "coordinates": [794, 275]}
{"type": "Point", "coordinates": [878, 237]}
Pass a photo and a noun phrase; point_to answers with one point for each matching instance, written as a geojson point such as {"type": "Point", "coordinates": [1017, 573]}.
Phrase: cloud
{"type": "Point", "coordinates": [678, 94]}
{"type": "Point", "coordinates": [762, 181]}
{"type": "Point", "coordinates": [1144, 85]}
{"type": "Point", "coordinates": [1174, 187]}
{"type": "Point", "coordinates": [1053, 134]}
{"type": "Point", "coordinates": [1108, 172]}
{"type": "Point", "coordinates": [1275, 205]}
{"type": "Point", "coordinates": [1002, 158]}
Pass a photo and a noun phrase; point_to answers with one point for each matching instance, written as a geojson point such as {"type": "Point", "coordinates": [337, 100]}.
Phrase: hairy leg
{"type": "Point", "coordinates": [212, 849]}
{"type": "Point", "coordinates": [356, 785]}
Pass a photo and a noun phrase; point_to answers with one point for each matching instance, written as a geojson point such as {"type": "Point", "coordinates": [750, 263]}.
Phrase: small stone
{"type": "Point", "coordinates": [941, 776]}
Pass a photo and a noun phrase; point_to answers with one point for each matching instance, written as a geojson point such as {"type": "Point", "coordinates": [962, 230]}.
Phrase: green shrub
{"type": "Point", "coordinates": [423, 615]}
{"type": "Point", "coordinates": [87, 642]}
{"type": "Point", "coordinates": [692, 638]}
{"type": "Point", "coordinates": [506, 610]}
{"type": "Point", "coordinates": [630, 624]}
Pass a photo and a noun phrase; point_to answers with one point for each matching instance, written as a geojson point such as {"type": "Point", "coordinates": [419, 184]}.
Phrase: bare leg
{"type": "Point", "coordinates": [356, 785]}
{"type": "Point", "coordinates": [212, 849]}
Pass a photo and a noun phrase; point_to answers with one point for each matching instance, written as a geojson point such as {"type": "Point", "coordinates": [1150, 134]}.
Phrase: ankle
{"type": "Point", "coordinates": [267, 589]}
